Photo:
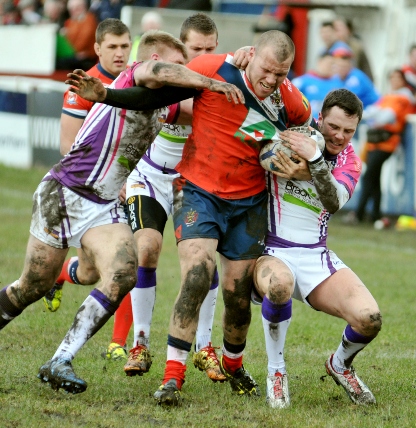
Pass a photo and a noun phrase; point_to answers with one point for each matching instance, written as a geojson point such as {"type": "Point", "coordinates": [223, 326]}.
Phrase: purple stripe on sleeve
{"type": "Point", "coordinates": [109, 139]}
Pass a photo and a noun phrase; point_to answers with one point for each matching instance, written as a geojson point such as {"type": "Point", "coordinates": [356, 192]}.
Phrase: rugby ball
{"type": "Point", "coordinates": [268, 151]}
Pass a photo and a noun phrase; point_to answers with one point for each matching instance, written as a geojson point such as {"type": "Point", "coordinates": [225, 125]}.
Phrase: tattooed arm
{"type": "Point", "coordinates": [332, 194]}
{"type": "Point", "coordinates": [155, 74]}
{"type": "Point", "coordinates": [143, 98]}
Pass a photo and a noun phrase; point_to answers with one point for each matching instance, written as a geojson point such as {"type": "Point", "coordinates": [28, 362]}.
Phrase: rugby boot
{"type": "Point", "coordinates": [138, 362]}
{"type": "Point", "coordinates": [59, 373]}
{"type": "Point", "coordinates": [277, 391]}
{"type": "Point", "coordinates": [168, 394]}
{"type": "Point", "coordinates": [206, 360]}
{"type": "Point", "coordinates": [356, 389]}
{"type": "Point", "coordinates": [241, 381]}
{"type": "Point", "coordinates": [52, 299]}
{"type": "Point", "coordinates": [115, 352]}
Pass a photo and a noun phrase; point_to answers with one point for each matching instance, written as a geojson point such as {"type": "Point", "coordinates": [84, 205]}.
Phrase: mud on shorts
{"type": "Point", "coordinates": [149, 196]}
{"type": "Point", "coordinates": [309, 266]}
{"type": "Point", "coordinates": [239, 225]}
{"type": "Point", "coordinates": [60, 217]}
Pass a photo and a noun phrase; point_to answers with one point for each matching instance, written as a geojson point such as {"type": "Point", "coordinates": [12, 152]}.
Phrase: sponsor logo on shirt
{"type": "Point", "coordinates": [305, 198]}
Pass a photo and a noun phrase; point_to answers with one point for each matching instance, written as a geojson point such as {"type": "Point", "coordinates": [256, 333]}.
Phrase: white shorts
{"type": "Point", "coordinates": [153, 181]}
{"type": "Point", "coordinates": [60, 217]}
{"type": "Point", "coordinates": [309, 266]}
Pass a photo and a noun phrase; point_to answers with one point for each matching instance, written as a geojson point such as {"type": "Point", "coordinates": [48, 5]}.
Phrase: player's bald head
{"type": "Point", "coordinates": [278, 42]}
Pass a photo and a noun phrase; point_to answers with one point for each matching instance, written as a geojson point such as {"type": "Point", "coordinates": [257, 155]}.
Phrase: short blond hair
{"type": "Point", "coordinates": [157, 41]}
{"type": "Point", "coordinates": [282, 45]}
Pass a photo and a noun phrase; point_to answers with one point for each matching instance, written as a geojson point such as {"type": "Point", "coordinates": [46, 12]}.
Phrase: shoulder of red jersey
{"type": "Point", "coordinates": [207, 64]}
{"type": "Point", "coordinates": [297, 106]}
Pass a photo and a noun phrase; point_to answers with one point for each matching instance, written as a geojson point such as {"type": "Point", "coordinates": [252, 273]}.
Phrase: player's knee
{"type": "Point", "coordinates": [196, 284]}
{"type": "Point", "coordinates": [124, 279]}
{"type": "Point", "coordinates": [32, 287]}
{"type": "Point", "coordinates": [371, 322]}
{"type": "Point", "coordinates": [149, 254]}
{"type": "Point", "coordinates": [280, 288]}
{"type": "Point", "coordinates": [237, 309]}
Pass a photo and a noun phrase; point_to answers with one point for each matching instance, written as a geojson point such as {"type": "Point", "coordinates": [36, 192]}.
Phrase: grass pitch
{"type": "Point", "coordinates": [385, 261]}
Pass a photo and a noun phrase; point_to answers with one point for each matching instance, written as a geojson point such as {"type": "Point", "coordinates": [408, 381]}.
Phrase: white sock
{"type": "Point", "coordinates": [230, 354]}
{"type": "Point", "coordinates": [275, 337]}
{"type": "Point", "coordinates": [91, 316]}
{"type": "Point", "coordinates": [206, 319]}
{"type": "Point", "coordinates": [142, 302]}
{"type": "Point", "coordinates": [351, 344]}
{"type": "Point", "coordinates": [177, 354]}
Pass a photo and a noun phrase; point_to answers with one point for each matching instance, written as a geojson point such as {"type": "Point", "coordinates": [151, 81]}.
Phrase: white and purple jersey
{"type": "Point", "coordinates": [296, 216]}
{"type": "Point", "coordinates": [108, 146]}
{"type": "Point", "coordinates": [166, 151]}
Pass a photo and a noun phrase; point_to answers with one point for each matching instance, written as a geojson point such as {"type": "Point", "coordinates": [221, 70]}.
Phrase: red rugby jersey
{"type": "Point", "coordinates": [221, 154]}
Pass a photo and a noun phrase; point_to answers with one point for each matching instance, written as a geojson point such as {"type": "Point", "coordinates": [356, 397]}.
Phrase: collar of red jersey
{"type": "Point", "coordinates": [271, 104]}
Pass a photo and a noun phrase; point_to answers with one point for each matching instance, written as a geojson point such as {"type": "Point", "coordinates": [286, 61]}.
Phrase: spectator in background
{"type": "Point", "coordinates": [350, 77]}
{"type": "Point", "coordinates": [317, 83]}
{"type": "Point", "coordinates": [409, 69]}
{"type": "Point", "coordinates": [54, 12]}
{"type": "Point", "coordinates": [79, 31]}
{"type": "Point", "coordinates": [150, 21]}
{"type": "Point", "coordinates": [386, 120]}
{"type": "Point", "coordinates": [329, 36]}
{"type": "Point", "coordinates": [28, 12]}
{"type": "Point", "coordinates": [344, 30]}
{"type": "Point", "coordinates": [11, 14]}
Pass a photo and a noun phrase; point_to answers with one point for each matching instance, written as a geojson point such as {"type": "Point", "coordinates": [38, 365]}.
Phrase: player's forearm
{"type": "Point", "coordinates": [141, 98]}
{"type": "Point", "coordinates": [332, 194]}
{"type": "Point", "coordinates": [178, 75]}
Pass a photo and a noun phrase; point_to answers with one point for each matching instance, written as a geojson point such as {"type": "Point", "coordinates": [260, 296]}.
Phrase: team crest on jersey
{"type": "Point", "coordinates": [255, 128]}
{"type": "Point", "coordinates": [191, 217]}
{"type": "Point", "coordinates": [72, 98]}
{"type": "Point", "coordinates": [276, 98]}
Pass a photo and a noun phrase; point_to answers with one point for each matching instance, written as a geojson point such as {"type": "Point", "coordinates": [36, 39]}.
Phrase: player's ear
{"type": "Point", "coordinates": [319, 119]}
{"type": "Point", "coordinates": [155, 57]}
{"type": "Point", "coordinates": [97, 49]}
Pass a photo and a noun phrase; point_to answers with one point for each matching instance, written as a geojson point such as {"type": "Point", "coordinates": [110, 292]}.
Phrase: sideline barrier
{"type": "Point", "coordinates": [28, 49]}
{"type": "Point", "coordinates": [30, 111]}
